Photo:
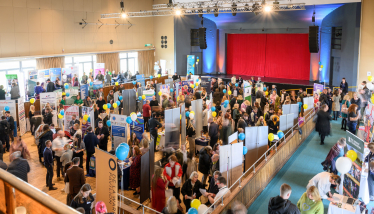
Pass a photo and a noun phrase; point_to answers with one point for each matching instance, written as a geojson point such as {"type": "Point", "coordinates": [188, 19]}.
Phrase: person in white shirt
{"type": "Point", "coordinates": [224, 192]}
{"type": "Point", "coordinates": [323, 182]}
{"type": "Point", "coordinates": [58, 147]}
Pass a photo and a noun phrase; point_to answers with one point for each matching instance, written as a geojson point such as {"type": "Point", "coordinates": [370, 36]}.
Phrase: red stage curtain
{"type": "Point", "coordinates": [270, 55]}
{"type": "Point", "coordinates": [246, 54]}
{"type": "Point", "coordinates": [287, 56]}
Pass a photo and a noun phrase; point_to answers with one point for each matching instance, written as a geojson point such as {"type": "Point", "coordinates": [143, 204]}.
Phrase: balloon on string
{"type": "Point", "coordinates": [109, 105]}
{"type": "Point", "coordinates": [370, 78]}
{"type": "Point", "coordinates": [271, 137]}
{"type": "Point", "coordinates": [116, 83]}
{"type": "Point", "coordinates": [108, 123]}
{"type": "Point", "coordinates": [151, 77]}
{"type": "Point", "coordinates": [236, 84]}
{"type": "Point", "coordinates": [224, 91]}
{"type": "Point", "coordinates": [159, 75]}
{"type": "Point", "coordinates": [264, 88]}
{"type": "Point", "coordinates": [133, 116]}
{"type": "Point", "coordinates": [68, 94]}
{"type": "Point", "coordinates": [171, 90]}
{"type": "Point", "coordinates": [192, 112]}
{"type": "Point", "coordinates": [60, 116]}
{"type": "Point", "coordinates": [226, 102]}
{"type": "Point", "coordinates": [118, 103]}
{"type": "Point", "coordinates": [192, 116]}
{"type": "Point", "coordinates": [229, 92]}
{"type": "Point", "coordinates": [143, 97]}
{"type": "Point", "coordinates": [187, 114]}
{"type": "Point", "coordinates": [140, 98]}
{"type": "Point", "coordinates": [319, 63]}
{"type": "Point", "coordinates": [6, 108]}
{"type": "Point", "coordinates": [197, 84]}
{"type": "Point", "coordinates": [63, 93]}
{"type": "Point", "coordinates": [115, 105]}
{"type": "Point", "coordinates": [195, 203]}
{"type": "Point", "coordinates": [280, 134]}
{"type": "Point", "coordinates": [225, 105]}
{"type": "Point", "coordinates": [120, 97]}
{"type": "Point", "coordinates": [122, 151]}
{"type": "Point", "coordinates": [202, 209]}
{"type": "Point", "coordinates": [85, 117]}
{"type": "Point", "coordinates": [91, 83]}
{"type": "Point", "coordinates": [128, 120]}
{"type": "Point", "coordinates": [305, 106]}
{"type": "Point", "coordinates": [241, 136]}
{"type": "Point", "coordinates": [245, 150]}
{"type": "Point", "coordinates": [89, 119]}
{"type": "Point", "coordinates": [133, 82]}
{"type": "Point", "coordinates": [197, 80]}
{"type": "Point", "coordinates": [266, 93]}
{"type": "Point", "coordinates": [105, 107]}
{"type": "Point", "coordinates": [160, 93]}
{"type": "Point", "coordinates": [192, 86]}
{"type": "Point", "coordinates": [343, 165]}
{"type": "Point", "coordinates": [214, 114]}
{"type": "Point", "coordinates": [180, 116]}
{"type": "Point", "coordinates": [192, 210]}
{"type": "Point", "coordinates": [66, 86]}
{"type": "Point", "coordinates": [213, 108]}
{"type": "Point", "coordinates": [32, 101]}
{"type": "Point", "coordinates": [84, 122]}
{"type": "Point", "coordinates": [62, 112]}
{"type": "Point", "coordinates": [321, 66]}
{"type": "Point", "coordinates": [351, 154]}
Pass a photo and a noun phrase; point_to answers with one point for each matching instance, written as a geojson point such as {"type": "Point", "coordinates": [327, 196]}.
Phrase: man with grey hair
{"type": "Point", "coordinates": [19, 167]}
{"type": "Point", "coordinates": [215, 163]}
{"type": "Point", "coordinates": [58, 147]}
{"type": "Point", "coordinates": [66, 156]}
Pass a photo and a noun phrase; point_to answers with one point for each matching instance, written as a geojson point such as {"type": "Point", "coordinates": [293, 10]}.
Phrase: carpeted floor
{"type": "Point", "coordinates": [302, 166]}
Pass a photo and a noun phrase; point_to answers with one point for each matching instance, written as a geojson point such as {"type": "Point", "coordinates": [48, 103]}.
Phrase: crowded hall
{"type": "Point", "coordinates": [187, 106]}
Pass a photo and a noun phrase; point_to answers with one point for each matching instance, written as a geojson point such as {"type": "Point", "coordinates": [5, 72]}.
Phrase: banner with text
{"type": "Point", "coordinates": [69, 112]}
{"type": "Point", "coordinates": [55, 73]}
{"type": "Point", "coordinates": [84, 91]}
{"type": "Point", "coordinates": [317, 88]}
{"type": "Point", "coordinates": [21, 116]}
{"type": "Point", "coordinates": [85, 124]}
{"type": "Point", "coordinates": [205, 83]}
{"type": "Point", "coordinates": [12, 107]}
{"type": "Point", "coordinates": [138, 127]}
{"type": "Point", "coordinates": [51, 98]}
{"type": "Point", "coordinates": [99, 68]}
{"type": "Point", "coordinates": [119, 129]}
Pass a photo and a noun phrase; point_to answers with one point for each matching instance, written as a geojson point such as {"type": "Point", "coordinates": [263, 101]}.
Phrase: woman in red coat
{"type": "Point", "coordinates": [135, 170]}
{"type": "Point", "coordinates": [158, 190]}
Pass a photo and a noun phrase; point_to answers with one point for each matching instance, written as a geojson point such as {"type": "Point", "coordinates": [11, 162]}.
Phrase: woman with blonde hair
{"type": "Point", "coordinates": [239, 100]}
{"type": "Point", "coordinates": [171, 206]}
{"type": "Point", "coordinates": [180, 98]}
{"type": "Point", "coordinates": [144, 144]}
{"type": "Point", "coordinates": [310, 202]}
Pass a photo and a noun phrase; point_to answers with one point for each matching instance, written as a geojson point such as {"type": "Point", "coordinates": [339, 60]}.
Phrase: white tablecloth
{"type": "Point", "coordinates": [345, 208]}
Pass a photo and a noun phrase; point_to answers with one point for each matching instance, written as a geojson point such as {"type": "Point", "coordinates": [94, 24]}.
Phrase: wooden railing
{"type": "Point", "coordinates": [16, 193]}
{"type": "Point", "coordinates": [256, 181]}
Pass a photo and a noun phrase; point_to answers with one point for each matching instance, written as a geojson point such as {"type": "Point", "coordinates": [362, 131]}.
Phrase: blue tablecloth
{"type": "Point", "coordinates": [126, 177]}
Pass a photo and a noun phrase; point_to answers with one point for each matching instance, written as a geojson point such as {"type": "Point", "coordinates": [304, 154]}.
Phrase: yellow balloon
{"type": "Point", "coordinates": [372, 98]}
{"type": "Point", "coordinates": [192, 112]}
{"type": "Point", "coordinates": [370, 78]}
{"type": "Point", "coordinates": [321, 66]}
{"type": "Point", "coordinates": [305, 106]}
{"type": "Point", "coordinates": [160, 93]}
{"type": "Point", "coordinates": [214, 114]}
{"type": "Point", "coordinates": [195, 203]}
{"type": "Point", "coordinates": [351, 154]}
{"type": "Point", "coordinates": [91, 69]}
{"type": "Point", "coordinates": [271, 137]}
{"type": "Point", "coordinates": [32, 101]}
{"type": "Point", "coordinates": [192, 86]}
{"type": "Point", "coordinates": [180, 116]}
{"type": "Point", "coordinates": [60, 116]}
{"type": "Point", "coordinates": [229, 92]}
{"type": "Point", "coordinates": [105, 107]}
{"type": "Point", "coordinates": [116, 83]}
{"type": "Point", "coordinates": [143, 97]}
{"type": "Point", "coordinates": [197, 84]}
{"type": "Point", "coordinates": [63, 93]}
{"type": "Point", "coordinates": [114, 105]}
{"type": "Point", "coordinates": [159, 75]}
{"type": "Point", "coordinates": [85, 117]}
{"type": "Point", "coordinates": [266, 93]}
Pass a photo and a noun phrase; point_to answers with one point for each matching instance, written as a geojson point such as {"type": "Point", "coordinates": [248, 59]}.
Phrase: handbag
{"type": "Point", "coordinates": [345, 108]}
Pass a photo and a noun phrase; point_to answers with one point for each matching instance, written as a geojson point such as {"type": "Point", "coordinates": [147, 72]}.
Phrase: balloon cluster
{"type": "Point", "coordinates": [197, 207]}
{"type": "Point", "coordinates": [61, 115]}
{"type": "Point", "coordinates": [133, 116]}
{"type": "Point", "coordinates": [122, 151]}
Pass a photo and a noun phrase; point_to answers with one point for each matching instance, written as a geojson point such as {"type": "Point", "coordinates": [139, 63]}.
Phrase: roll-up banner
{"type": "Point", "coordinates": [69, 112]}
{"type": "Point", "coordinates": [22, 116]}
{"type": "Point", "coordinates": [51, 98]}
{"type": "Point", "coordinates": [119, 129]}
{"type": "Point", "coordinates": [137, 127]}
{"type": "Point", "coordinates": [12, 107]}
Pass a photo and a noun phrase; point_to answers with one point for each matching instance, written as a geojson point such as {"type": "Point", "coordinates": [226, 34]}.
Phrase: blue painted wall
{"type": "Point", "coordinates": [348, 17]}
{"type": "Point", "coordinates": [182, 44]}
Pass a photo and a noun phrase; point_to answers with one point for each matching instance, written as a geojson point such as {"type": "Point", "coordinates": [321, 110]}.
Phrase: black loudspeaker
{"type": "Point", "coordinates": [202, 38]}
{"type": "Point", "coordinates": [313, 39]}
{"type": "Point", "coordinates": [194, 37]}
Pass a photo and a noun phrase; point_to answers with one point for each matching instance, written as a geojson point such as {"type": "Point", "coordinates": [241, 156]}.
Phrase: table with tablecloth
{"type": "Point", "coordinates": [342, 208]}
{"type": "Point", "coordinates": [126, 176]}
{"type": "Point", "coordinates": [200, 143]}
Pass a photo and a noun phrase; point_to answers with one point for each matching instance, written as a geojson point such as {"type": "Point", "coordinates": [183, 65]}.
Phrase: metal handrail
{"type": "Point", "coordinates": [254, 165]}
{"type": "Point", "coordinates": [143, 206]}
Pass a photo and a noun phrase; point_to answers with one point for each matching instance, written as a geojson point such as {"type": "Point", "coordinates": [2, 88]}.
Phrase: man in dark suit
{"type": "Point", "coordinates": [11, 125]}
{"type": "Point", "coordinates": [90, 141]}
{"type": "Point", "coordinates": [154, 125]}
{"type": "Point", "coordinates": [50, 86]}
{"type": "Point", "coordinates": [76, 179]}
{"type": "Point", "coordinates": [102, 134]}
{"type": "Point", "coordinates": [48, 163]}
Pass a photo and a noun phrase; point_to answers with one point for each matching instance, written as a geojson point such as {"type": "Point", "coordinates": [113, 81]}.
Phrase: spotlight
{"type": "Point", "coordinates": [234, 9]}
{"type": "Point", "coordinates": [123, 15]}
{"type": "Point", "coordinates": [267, 8]}
{"type": "Point", "coordinates": [178, 12]}
{"type": "Point", "coordinates": [216, 11]}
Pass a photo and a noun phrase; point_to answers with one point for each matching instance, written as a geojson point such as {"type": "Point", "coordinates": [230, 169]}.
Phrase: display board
{"type": "Point", "coordinates": [68, 74]}
{"type": "Point", "coordinates": [107, 180]}
{"type": "Point", "coordinates": [129, 98]}
{"type": "Point", "coordinates": [140, 78]}
{"type": "Point", "coordinates": [233, 138]}
{"type": "Point", "coordinates": [172, 121]}
{"type": "Point", "coordinates": [92, 118]}
{"type": "Point", "coordinates": [286, 109]}
{"type": "Point", "coordinates": [138, 128]}
{"type": "Point", "coordinates": [51, 98]}
{"type": "Point", "coordinates": [69, 112]}
{"type": "Point", "coordinates": [148, 95]}
{"type": "Point", "coordinates": [308, 101]}
{"type": "Point", "coordinates": [54, 73]}
{"type": "Point", "coordinates": [12, 107]}
{"type": "Point", "coordinates": [317, 88]}
{"type": "Point", "coordinates": [84, 91]}
{"type": "Point", "coordinates": [191, 64]}
{"type": "Point", "coordinates": [186, 86]}
{"type": "Point", "coordinates": [183, 123]}
{"type": "Point", "coordinates": [295, 111]}
{"type": "Point", "coordinates": [21, 116]}
{"type": "Point", "coordinates": [145, 177]}
{"type": "Point", "coordinates": [205, 83]}
{"type": "Point", "coordinates": [290, 120]}
{"type": "Point", "coordinates": [99, 68]}
{"type": "Point", "coordinates": [256, 143]}
{"type": "Point", "coordinates": [10, 78]}
{"type": "Point", "coordinates": [43, 74]}
{"type": "Point", "coordinates": [86, 124]}
{"type": "Point", "coordinates": [119, 129]}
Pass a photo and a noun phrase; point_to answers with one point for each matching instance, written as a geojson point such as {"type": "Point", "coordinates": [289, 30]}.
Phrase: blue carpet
{"type": "Point", "coordinates": [299, 169]}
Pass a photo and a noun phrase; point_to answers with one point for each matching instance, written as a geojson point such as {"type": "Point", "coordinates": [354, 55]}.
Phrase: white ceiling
{"type": "Point", "coordinates": [307, 2]}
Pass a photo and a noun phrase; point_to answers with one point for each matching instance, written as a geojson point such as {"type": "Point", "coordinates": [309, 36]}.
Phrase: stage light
{"type": "Point", "coordinates": [123, 15]}
{"type": "Point", "coordinates": [178, 12]}
{"type": "Point", "coordinates": [216, 12]}
{"type": "Point", "coordinates": [234, 9]}
{"type": "Point", "coordinates": [267, 8]}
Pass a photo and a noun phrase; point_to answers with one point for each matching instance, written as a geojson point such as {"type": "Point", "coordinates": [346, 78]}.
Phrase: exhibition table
{"type": "Point", "coordinates": [339, 207]}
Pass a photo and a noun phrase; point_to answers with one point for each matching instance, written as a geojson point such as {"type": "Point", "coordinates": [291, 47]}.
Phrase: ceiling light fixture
{"type": "Point", "coordinates": [267, 8]}
{"type": "Point", "coordinates": [178, 12]}
{"type": "Point", "coordinates": [216, 11]}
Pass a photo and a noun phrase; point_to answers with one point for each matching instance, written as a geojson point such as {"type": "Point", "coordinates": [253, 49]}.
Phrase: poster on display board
{"type": "Point", "coordinates": [31, 84]}
{"type": "Point", "coordinates": [12, 107]}
{"type": "Point", "coordinates": [165, 89]}
{"type": "Point", "coordinates": [247, 91]}
{"type": "Point", "coordinates": [84, 91]}
{"type": "Point", "coordinates": [206, 83]}
{"type": "Point", "coordinates": [69, 112]}
{"type": "Point", "coordinates": [97, 85]}
{"type": "Point", "coordinates": [51, 98]}
{"type": "Point", "coordinates": [119, 129]}
{"type": "Point", "coordinates": [317, 88]}
{"type": "Point", "coordinates": [11, 78]}
{"type": "Point", "coordinates": [68, 74]}
{"type": "Point", "coordinates": [55, 73]}
{"type": "Point", "coordinates": [85, 124]}
{"type": "Point", "coordinates": [148, 95]}
{"type": "Point", "coordinates": [138, 128]}
{"type": "Point", "coordinates": [43, 74]}
{"type": "Point", "coordinates": [368, 122]}
{"type": "Point", "coordinates": [186, 87]}
{"type": "Point", "coordinates": [92, 118]}
{"type": "Point", "coordinates": [21, 116]}
{"type": "Point", "coordinates": [140, 78]}
{"type": "Point", "coordinates": [352, 179]}
{"type": "Point", "coordinates": [33, 75]}
{"type": "Point", "coordinates": [99, 68]}
{"type": "Point", "coordinates": [191, 64]}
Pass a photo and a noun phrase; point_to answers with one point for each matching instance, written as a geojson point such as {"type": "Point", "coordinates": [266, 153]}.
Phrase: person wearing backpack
{"type": "Point", "coordinates": [4, 130]}
{"type": "Point", "coordinates": [345, 106]}
{"type": "Point", "coordinates": [11, 127]}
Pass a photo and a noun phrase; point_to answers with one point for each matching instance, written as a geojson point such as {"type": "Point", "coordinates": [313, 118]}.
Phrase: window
{"type": "Point", "coordinates": [129, 62]}
{"type": "Point", "coordinates": [85, 63]}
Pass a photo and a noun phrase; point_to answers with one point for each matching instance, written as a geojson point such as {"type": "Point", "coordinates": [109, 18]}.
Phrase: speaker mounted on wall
{"type": "Point", "coordinates": [194, 34]}
{"type": "Point", "coordinates": [313, 39]}
{"type": "Point", "coordinates": [202, 38]}
{"type": "Point", "coordinates": [164, 42]}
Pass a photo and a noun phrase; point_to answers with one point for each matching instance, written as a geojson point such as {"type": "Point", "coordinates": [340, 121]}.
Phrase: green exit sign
{"type": "Point", "coordinates": [147, 45]}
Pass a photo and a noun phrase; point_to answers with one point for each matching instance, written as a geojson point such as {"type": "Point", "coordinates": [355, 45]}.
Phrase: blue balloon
{"type": "Point", "coordinates": [213, 108]}
{"type": "Point", "coordinates": [319, 63]}
{"type": "Point", "coordinates": [140, 98]}
{"type": "Point", "coordinates": [122, 151]}
{"type": "Point", "coordinates": [66, 86]}
{"type": "Point", "coordinates": [225, 105]}
{"type": "Point", "coordinates": [224, 91]}
{"type": "Point", "coordinates": [150, 77]}
{"type": "Point", "coordinates": [89, 119]}
{"type": "Point", "coordinates": [236, 84]}
{"type": "Point", "coordinates": [68, 94]}
{"type": "Point", "coordinates": [264, 88]}
{"type": "Point", "coordinates": [187, 114]}
{"type": "Point", "coordinates": [241, 136]}
{"type": "Point", "coordinates": [109, 105]}
{"type": "Point", "coordinates": [108, 123]}
{"type": "Point", "coordinates": [192, 211]}
{"type": "Point", "coordinates": [6, 108]}
{"type": "Point", "coordinates": [128, 120]}
{"type": "Point", "coordinates": [171, 90]}
{"type": "Point", "coordinates": [118, 103]}
{"type": "Point", "coordinates": [197, 80]}
{"type": "Point", "coordinates": [133, 82]}
{"type": "Point", "coordinates": [226, 102]}
{"type": "Point", "coordinates": [280, 134]}
{"type": "Point", "coordinates": [91, 83]}
{"type": "Point", "coordinates": [120, 97]}
{"type": "Point", "coordinates": [245, 150]}
{"type": "Point", "coordinates": [154, 93]}
{"type": "Point", "coordinates": [139, 115]}
{"type": "Point", "coordinates": [62, 112]}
